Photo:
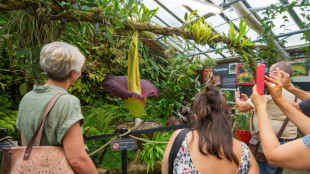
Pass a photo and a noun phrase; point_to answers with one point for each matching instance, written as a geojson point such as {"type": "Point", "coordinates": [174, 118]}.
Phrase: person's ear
{"type": "Point", "coordinates": [195, 116]}
{"type": "Point", "coordinates": [72, 74]}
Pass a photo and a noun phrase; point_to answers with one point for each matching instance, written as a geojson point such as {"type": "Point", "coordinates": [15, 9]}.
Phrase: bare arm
{"type": "Point", "coordinates": [241, 102]}
{"type": "Point", "coordinates": [244, 106]}
{"type": "Point", "coordinates": [254, 169]}
{"type": "Point", "coordinates": [291, 155]}
{"type": "Point", "coordinates": [165, 163]}
{"type": "Point", "coordinates": [297, 117]}
{"type": "Point", "coordinates": [74, 149]}
{"type": "Point", "coordinates": [294, 104]}
{"type": "Point", "coordinates": [303, 95]}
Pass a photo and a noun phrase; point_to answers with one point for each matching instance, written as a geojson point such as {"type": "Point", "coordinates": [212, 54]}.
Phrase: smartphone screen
{"type": "Point", "coordinates": [260, 78]}
{"type": "Point", "coordinates": [240, 89]}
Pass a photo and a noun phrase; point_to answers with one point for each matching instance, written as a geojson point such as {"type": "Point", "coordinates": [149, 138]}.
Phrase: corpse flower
{"type": "Point", "coordinates": [133, 90]}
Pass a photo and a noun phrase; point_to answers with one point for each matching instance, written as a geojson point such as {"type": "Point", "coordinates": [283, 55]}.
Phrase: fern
{"type": "Point", "coordinates": [100, 121]}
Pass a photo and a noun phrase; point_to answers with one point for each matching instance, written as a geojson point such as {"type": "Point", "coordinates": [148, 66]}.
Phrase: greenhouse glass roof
{"type": "Point", "coordinates": [288, 33]}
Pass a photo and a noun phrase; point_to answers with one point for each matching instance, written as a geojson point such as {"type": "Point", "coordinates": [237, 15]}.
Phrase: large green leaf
{"type": "Point", "coordinates": [23, 88]}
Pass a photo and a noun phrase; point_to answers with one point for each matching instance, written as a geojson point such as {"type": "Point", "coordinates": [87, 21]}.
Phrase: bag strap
{"type": "Point", "coordinates": [39, 130]}
{"type": "Point", "coordinates": [280, 131]}
{"type": "Point", "coordinates": [282, 128]}
{"type": "Point", "coordinates": [252, 123]}
{"type": "Point", "coordinates": [176, 147]}
{"type": "Point", "coordinates": [285, 123]}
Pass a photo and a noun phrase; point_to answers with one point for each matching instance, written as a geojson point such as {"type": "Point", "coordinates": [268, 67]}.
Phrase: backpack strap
{"type": "Point", "coordinates": [176, 147]}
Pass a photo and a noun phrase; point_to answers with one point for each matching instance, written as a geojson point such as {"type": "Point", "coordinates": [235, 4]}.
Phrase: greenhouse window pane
{"type": "Point", "coordinates": [213, 55]}
{"type": "Point", "coordinates": [226, 53]}
{"type": "Point", "coordinates": [162, 13]}
{"type": "Point", "coordinates": [219, 24]}
{"type": "Point", "coordinates": [262, 3]}
{"type": "Point", "coordinates": [177, 9]}
{"type": "Point", "coordinates": [289, 26]}
{"type": "Point", "coordinates": [217, 2]}
{"type": "Point", "coordinates": [203, 48]}
{"type": "Point", "coordinates": [236, 20]}
{"type": "Point", "coordinates": [294, 40]}
{"type": "Point", "coordinates": [156, 21]}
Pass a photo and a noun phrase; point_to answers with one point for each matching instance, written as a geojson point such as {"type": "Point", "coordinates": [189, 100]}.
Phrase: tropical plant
{"type": "Point", "coordinates": [129, 88]}
{"type": "Point", "coordinates": [154, 151]}
{"type": "Point", "coordinates": [201, 29]}
{"type": "Point", "coordinates": [242, 121]}
{"type": "Point", "coordinates": [101, 120]}
{"type": "Point", "coordinates": [176, 90]}
{"type": "Point", "coordinates": [8, 120]}
{"type": "Point", "coordinates": [241, 44]}
{"type": "Point", "coordinates": [143, 14]}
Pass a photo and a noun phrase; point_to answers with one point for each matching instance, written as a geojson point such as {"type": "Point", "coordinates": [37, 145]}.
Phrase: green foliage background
{"type": "Point", "coordinates": [105, 48]}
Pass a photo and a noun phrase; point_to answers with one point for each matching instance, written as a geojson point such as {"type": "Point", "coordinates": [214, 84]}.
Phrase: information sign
{"type": "Point", "coordinates": [124, 144]}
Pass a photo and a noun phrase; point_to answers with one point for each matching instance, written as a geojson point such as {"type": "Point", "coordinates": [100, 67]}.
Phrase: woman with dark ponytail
{"type": "Point", "coordinates": [209, 147]}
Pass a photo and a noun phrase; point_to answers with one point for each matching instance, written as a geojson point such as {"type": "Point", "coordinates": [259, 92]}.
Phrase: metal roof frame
{"type": "Point", "coordinates": [177, 18]}
{"type": "Point", "coordinates": [296, 19]}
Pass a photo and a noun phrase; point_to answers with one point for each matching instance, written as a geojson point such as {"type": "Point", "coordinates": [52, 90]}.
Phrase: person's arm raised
{"type": "Point", "coordinates": [241, 102]}
{"type": "Point", "coordinates": [74, 149]}
{"type": "Point", "coordinates": [303, 95]}
{"type": "Point", "coordinates": [291, 155]}
{"type": "Point", "coordinates": [297, 117]}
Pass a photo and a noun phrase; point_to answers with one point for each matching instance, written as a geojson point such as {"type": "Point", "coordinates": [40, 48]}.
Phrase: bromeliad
{"type": "Point", "coordinates": [133, 90]}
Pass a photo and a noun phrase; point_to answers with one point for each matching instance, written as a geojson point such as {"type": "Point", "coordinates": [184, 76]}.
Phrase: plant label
{"type": "Point", "coordinates": [124, 144]}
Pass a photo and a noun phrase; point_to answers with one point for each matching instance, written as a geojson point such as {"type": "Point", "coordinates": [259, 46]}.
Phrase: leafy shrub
{"type": "Point", "coordinates": [154, 151]}
{"type": "Point", "coordinates": [8, 120]}
{"type": "Point", "coordinates": [100, 121]}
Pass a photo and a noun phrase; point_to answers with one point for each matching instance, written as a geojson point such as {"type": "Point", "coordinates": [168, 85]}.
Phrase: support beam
{"type": "Point", "coordinates": [170, 12]}
{"type": "Point", "coordinates": [288, 34]}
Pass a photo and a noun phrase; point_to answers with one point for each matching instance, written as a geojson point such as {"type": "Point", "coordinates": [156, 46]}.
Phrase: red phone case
{"type": "Point", "coordinates": [260, 78]}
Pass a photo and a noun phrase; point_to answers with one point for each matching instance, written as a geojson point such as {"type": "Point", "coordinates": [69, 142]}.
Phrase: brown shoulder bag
{"type": "Point", "coordinates": [36, 159]}
{"type": "Point", "coordinates": [255, 145]}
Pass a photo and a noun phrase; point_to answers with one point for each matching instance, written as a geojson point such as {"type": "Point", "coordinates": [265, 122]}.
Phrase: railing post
{"type": "Point", "coordinates": [124, 155]}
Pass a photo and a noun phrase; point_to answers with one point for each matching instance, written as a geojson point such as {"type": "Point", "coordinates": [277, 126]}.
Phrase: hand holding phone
{"type": "Point", "coordinates": [260, 78]}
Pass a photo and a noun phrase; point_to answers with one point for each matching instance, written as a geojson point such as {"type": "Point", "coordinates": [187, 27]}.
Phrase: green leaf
{"type": "Point", "coordinates": [110, 15]}
{"type": "Point", "coordinates": [231, 31]}
{"type": "Point", "coordinates": [185, 17]}
{"type": "Point", "coordinates": [110, 29]}
{"type": "Point", "coordinates": [107, 8]}
{"type": "Point", "coordinates": [193, 13]}
{"type": "Point", "coordinates": [116, 6]}
{"type": "Point", "coordinates": [109, 35]}
{"type": "Point", "coordinates": [180, 77]}
{"type": "Point", "coordinates": [23, 88]}
{"type": "Point", "coordinates": [118, 24]}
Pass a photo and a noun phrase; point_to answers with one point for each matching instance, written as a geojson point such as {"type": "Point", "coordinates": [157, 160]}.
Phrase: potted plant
{"type": "Point", "coordinates": [242, 127]}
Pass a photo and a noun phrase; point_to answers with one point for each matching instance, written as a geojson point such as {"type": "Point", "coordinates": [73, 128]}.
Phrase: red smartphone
{"type": "Point", "coordinates": [260, 78]}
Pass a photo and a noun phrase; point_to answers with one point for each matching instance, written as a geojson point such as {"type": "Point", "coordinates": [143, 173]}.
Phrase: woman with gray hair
{"type": "Point", "coordinates": [62, 64]}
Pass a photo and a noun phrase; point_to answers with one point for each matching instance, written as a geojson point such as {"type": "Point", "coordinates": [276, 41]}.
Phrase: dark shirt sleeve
{"type": "Point", "coordinates": [305, 107]}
